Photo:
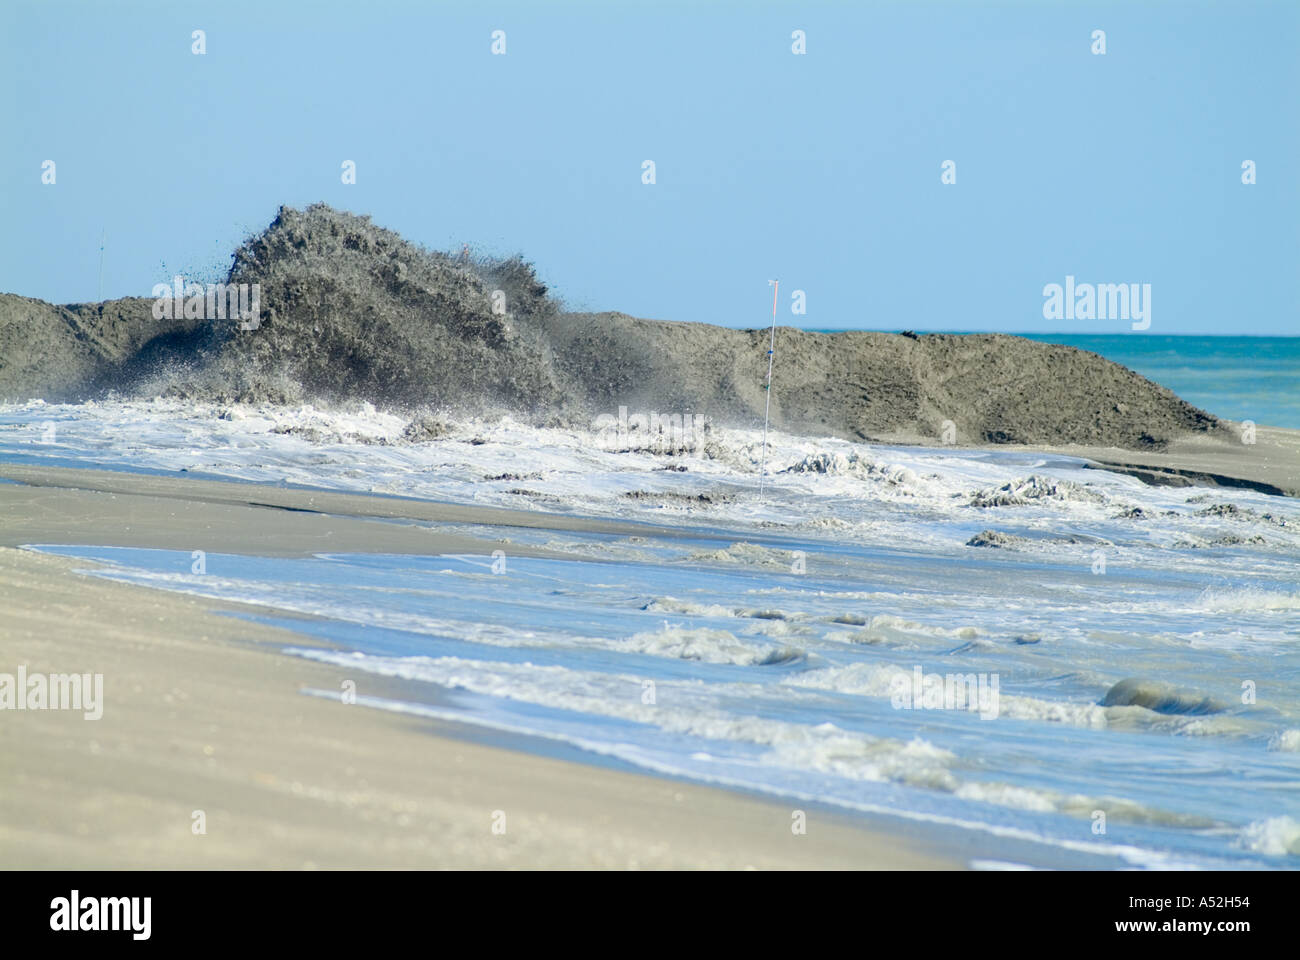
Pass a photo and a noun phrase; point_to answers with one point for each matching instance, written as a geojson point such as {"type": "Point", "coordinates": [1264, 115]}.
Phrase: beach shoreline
{"type": "Point", "coordinates": [202, 713]}
{"type": "Point", "coordinates": [205, 713]}
{"type": "Point", "coordinates": [1269, 463]}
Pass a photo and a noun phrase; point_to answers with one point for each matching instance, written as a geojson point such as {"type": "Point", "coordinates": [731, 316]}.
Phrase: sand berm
{"type": "Point", "coordinates": [353, 311]}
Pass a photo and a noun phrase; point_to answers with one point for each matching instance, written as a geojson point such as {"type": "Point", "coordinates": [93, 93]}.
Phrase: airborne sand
{"type": "Point", "coordinates": [352, 311]}
{"type": "Point", "coordinates": [201, 713]}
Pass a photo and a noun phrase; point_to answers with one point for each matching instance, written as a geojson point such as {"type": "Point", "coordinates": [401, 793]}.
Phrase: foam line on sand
{"type": "Point", "coordinates": [202, 712]}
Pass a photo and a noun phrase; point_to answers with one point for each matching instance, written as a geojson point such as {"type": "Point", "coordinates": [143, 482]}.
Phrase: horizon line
{"type": "Point", "coordinates": [1137, 334]}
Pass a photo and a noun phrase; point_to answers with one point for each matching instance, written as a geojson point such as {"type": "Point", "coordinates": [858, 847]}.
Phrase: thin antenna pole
{"type": "Point", "coordinates": [103, 239]}
{"type": "Point", "coordinates": [767, 409]}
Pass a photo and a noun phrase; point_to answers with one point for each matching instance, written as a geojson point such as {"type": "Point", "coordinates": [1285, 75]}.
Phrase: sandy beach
{"type": "Point", "coordinates": [398, 424]}
{"type": "Point", "coordinates": [203, 714]}
{"type": "Point", "coordinates": [1270, 463]}
{"type": "Point", "coordinates": [692, 437]}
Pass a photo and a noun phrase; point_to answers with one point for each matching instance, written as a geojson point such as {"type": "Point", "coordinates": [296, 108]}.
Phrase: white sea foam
{"type": "Point", "coordinates": [772, 629]}
{"type": "Point", "coordinates": [710, 646]}
{"type": "Point", "coordinates": [1275, 836]}
{"type": "Point", "coordinates": [1243, 600]}
{"type": "Point", "coordinates": [1285, 741]}
{"type": "Point", "coordinates": [817, 746]}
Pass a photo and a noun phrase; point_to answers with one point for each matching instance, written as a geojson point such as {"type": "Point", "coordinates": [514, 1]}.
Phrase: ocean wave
{"type": "Point", "coordinates": [1160, 697]}
{"type": "Point", "coordinates": [747, 554]}
{"type": "Point", "coordinates": [1275, 836]}
{"type": "Point", "coordinates": [823, 747]}
{"type": "Point", "coordinates": [917, 762]}
{"type": "Point", "coordinates": [1115, 809]}
{"type": "Point", "coordinates": [879, 680]}
{"type": "Point", "coordinates": [888, 628]}
{"type": "Point", "coordinates": [688, 608]}
{"type": "Point", "coordinates": [1285, 741]}
{"type": "Point", "coordinates": [1244, 600]}
{"type": "Point", "coordinates": [709, 646]}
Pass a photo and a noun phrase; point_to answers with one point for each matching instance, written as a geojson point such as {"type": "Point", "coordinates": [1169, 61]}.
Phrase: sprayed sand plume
{"type": "Point", "coordinates": [349, 310]}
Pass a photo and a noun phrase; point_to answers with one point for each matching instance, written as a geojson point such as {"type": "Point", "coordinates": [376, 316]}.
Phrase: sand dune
{"type": "Point", "coordinates": [350, 310]}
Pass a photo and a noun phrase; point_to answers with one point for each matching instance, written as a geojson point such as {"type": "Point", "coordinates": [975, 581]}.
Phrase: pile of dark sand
{"type": "Point", "coordinates": [957, 388]}
{"type": "Point", "coordinates": [76, 351]}
{"type": "Point", "coordinates": [352, 311]}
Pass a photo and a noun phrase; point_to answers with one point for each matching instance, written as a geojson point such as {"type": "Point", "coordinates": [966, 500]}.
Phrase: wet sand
{"type": "Point", "coordinates": [1270, 464]}
{"type": "Point", "coordinates": [202, 713]}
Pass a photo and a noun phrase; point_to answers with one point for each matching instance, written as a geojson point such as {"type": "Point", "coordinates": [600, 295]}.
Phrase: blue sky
{"type": "Point", "coordinates": [822, 170]}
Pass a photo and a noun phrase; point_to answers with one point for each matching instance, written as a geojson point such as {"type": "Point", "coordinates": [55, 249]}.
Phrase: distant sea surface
{"type": "Point", "coordinates": [1240, 378]}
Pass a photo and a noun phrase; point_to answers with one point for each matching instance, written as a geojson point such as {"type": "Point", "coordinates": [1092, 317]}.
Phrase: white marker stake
{"type": "Point", "coordinates": [771, 355]}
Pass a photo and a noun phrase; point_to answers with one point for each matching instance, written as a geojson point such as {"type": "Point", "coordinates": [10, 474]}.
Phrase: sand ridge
{"type": "Point", "coordinates": [349, 310]}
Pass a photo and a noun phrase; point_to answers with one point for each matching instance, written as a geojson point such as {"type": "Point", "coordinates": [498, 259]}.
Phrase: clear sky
{"type": "Point", "coordinates": [821, 169]}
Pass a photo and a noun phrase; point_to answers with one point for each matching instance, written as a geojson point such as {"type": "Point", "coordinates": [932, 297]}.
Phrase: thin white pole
{"type": "Point", "coordinates": [767, 410]}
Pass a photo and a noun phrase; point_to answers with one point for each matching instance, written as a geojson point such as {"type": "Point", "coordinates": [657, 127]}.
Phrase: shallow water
{"type": "Point", "coordinates": [770, 643]}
